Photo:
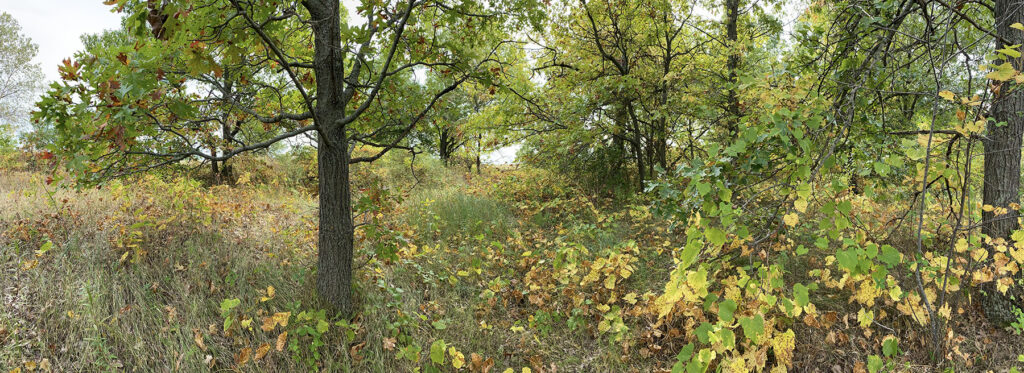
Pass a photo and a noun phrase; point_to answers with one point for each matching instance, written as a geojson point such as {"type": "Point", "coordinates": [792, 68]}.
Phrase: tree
{"type": "Point", "coordinates": [335, 73]}
{"type": "Point", "coordinates": [616, 81]}
{"type": "Point", "coordinates": [1002, 155]}
{"type": "Point", "coordinates": [19, 77]}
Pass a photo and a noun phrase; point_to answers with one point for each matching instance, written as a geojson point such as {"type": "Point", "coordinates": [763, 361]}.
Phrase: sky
{"type": "Point", "coordinates": [55, 26]}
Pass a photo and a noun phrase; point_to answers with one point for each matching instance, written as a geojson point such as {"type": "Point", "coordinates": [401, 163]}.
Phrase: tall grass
{"type": "Point", "coordinates": [453, 212]}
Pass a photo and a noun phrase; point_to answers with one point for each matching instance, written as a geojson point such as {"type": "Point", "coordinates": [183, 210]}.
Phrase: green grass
{"type": "Point", "coordinates": [451, 212]}
{"type": "Point", "coordinates": [83, 309]}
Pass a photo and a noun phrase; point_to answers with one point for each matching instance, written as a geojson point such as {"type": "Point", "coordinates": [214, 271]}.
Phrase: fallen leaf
{"type": "Point", "coordinates": [243, 356]}
{"type": "Point", "coordinates": [281, 339]}
{"type": "Point", "coordinates": [261, 351]}
{"type": "Point", "coordinates": [353, 352]}
{"type": "Point", "coordinates": [389, 344]}
{"type": "Point", "coordinates": [199, 340]}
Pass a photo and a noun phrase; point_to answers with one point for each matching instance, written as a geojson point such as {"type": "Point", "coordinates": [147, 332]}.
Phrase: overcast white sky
{"type": "Point", "coordinates": [55, 26]}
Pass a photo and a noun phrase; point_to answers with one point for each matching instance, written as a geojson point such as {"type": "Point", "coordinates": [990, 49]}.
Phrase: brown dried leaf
{"type": "Point", "coordinates": [261, 351]}
{"type": "Point", "coordinates": [243, 356]}
{"type": "Point", "coordinates": [281, 339]}
{"type": "Point", "coordinates": [199, 339]}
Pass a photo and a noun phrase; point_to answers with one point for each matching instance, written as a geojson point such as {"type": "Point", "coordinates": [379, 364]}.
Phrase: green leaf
{"type": "Point", "coordinates": [875, 364]}
{"type": "Point", "coordinates": [703, 332]}
{"type": "Point", "coordinates": [1010, 51]}
{"type": "Point", "coordinates": [890, 256]}
{"type": "Point", "coordinates": [847, 259]}
{"type": "Point", "coordinates": [685, 354]}
{"type": "Point", "coordinates": [321, 326]}
{"type": "Point", "coordinates": [689, 254]}
{"type": "Point", "coordinates": [716, 236]}
{"type": "Point", "coordinates": [753, 327]}
{"type": "Point", "coordinates": [703, 189]}
{"type": "Point", "coordinates": [227, 304]}
{"type": "Point", "coordinates": [437, 351]}
{"type": "Point", "coordinates": [728, 338]}
{"type": "Point", "coordinates": [890, 347]}
{"type": "Point", "coordinates": [801, 295]}
{"type": "Point", "coordinates": [726, 309]}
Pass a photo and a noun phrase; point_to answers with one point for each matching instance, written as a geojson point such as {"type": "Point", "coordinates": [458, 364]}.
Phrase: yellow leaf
{"type": "Point", "coordinates": [800, 205]}
{"type": "Point", "coordinates": [30, 365]}
{"type": "Point", "coordinates": [865, 317]}
{"type": "Point", "coordinates": [282, 318]}
{"type": "Point", "coordinates": [458, 359]}
{"type": "Point", "coordinates": [625, 272]}
{"type": "Point", "coordinates": [609, 282]}
{"type": "Point", "coordinates": [945, 311]}
{"type": "Point", "coordinates": [509, 370]}
{"type": "Point", "coordinates": [949, 96]}
{"type": "Point", "coordinates": [961, 245]}
{"type": "Point", "coordinates": [270, 294]}
{"type": "Point", "coordinates": [1017, 26]}
{"type": "Point", "coordinates": [526, 370]}
{"type": "Point", "coordinates": [783, 345]}
{"type": "Point", "coordinates": [1018, 255]}
{"type": "Point", "coordinates": [979, 254]}
{"type": "Point", "coordinates": [29, 264]}
{"type": "Point", "coordinates": [1002, 72]}
{"type": "Point", "coordinates": [18, 370]}
{"type": "Point", "coordinates": [631, 297]}
{"type": "Point", "coordinates": [791, 219]}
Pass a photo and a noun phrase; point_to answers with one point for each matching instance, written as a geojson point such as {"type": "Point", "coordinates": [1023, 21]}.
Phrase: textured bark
{"type": "Point", "coordinates": [334, 270]}
{"type": "Point", "coordinates": [445, 146]}
{"type": "Point", "coordinates": [334, 267]}
{"type": "Point", "coordinates": [732, 10]}
{"type": "Point", "coordinates": [479, 149]}
{"type": "Point", "coordinates": [1002, 161]}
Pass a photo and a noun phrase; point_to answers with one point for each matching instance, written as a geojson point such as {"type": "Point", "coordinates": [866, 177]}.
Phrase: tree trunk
{"type": "Point", "coordinates": [442, 147]}
{"type": "Point", "coordinates": [1002, 161]}
{"type": "Point", "coordinates": [732, 10]}
{"type": "Point", "coordinates": [334, 267]}
{"type": "Point", "coordinates": [334, 271]}
{"type": "Point", "coordinates": [479, 149]}
{"type": "Point", "coordinates": [214, 169]}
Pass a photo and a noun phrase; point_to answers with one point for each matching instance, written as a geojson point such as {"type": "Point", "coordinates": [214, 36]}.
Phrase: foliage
{"type": "Point", "coordinates": [20, 77]}
{"type": "Point", "coordinates": [698, 192]}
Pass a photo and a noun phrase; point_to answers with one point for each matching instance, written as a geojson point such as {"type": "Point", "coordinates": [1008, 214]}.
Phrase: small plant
{"type": "Point", "coordinates": [1018, 325]}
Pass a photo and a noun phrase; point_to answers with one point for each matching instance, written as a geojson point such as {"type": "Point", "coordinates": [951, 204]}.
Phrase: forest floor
{"type": "Point", "coordinates": [511, 269]}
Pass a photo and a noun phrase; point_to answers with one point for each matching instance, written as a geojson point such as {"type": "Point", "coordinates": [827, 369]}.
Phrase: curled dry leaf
{"type": "Point", "coordinates": [243, 356]}
{"type": "Point", "coordinates": [281, 339]}
{"type": "Point", "coordinates": [199, 339]}
{"type": "Point", "coordinates": [354, 351]}
{"type": "Point", "coordinates": [261, 352]}
{"type": "Point", "coordinates": [389, 343]}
